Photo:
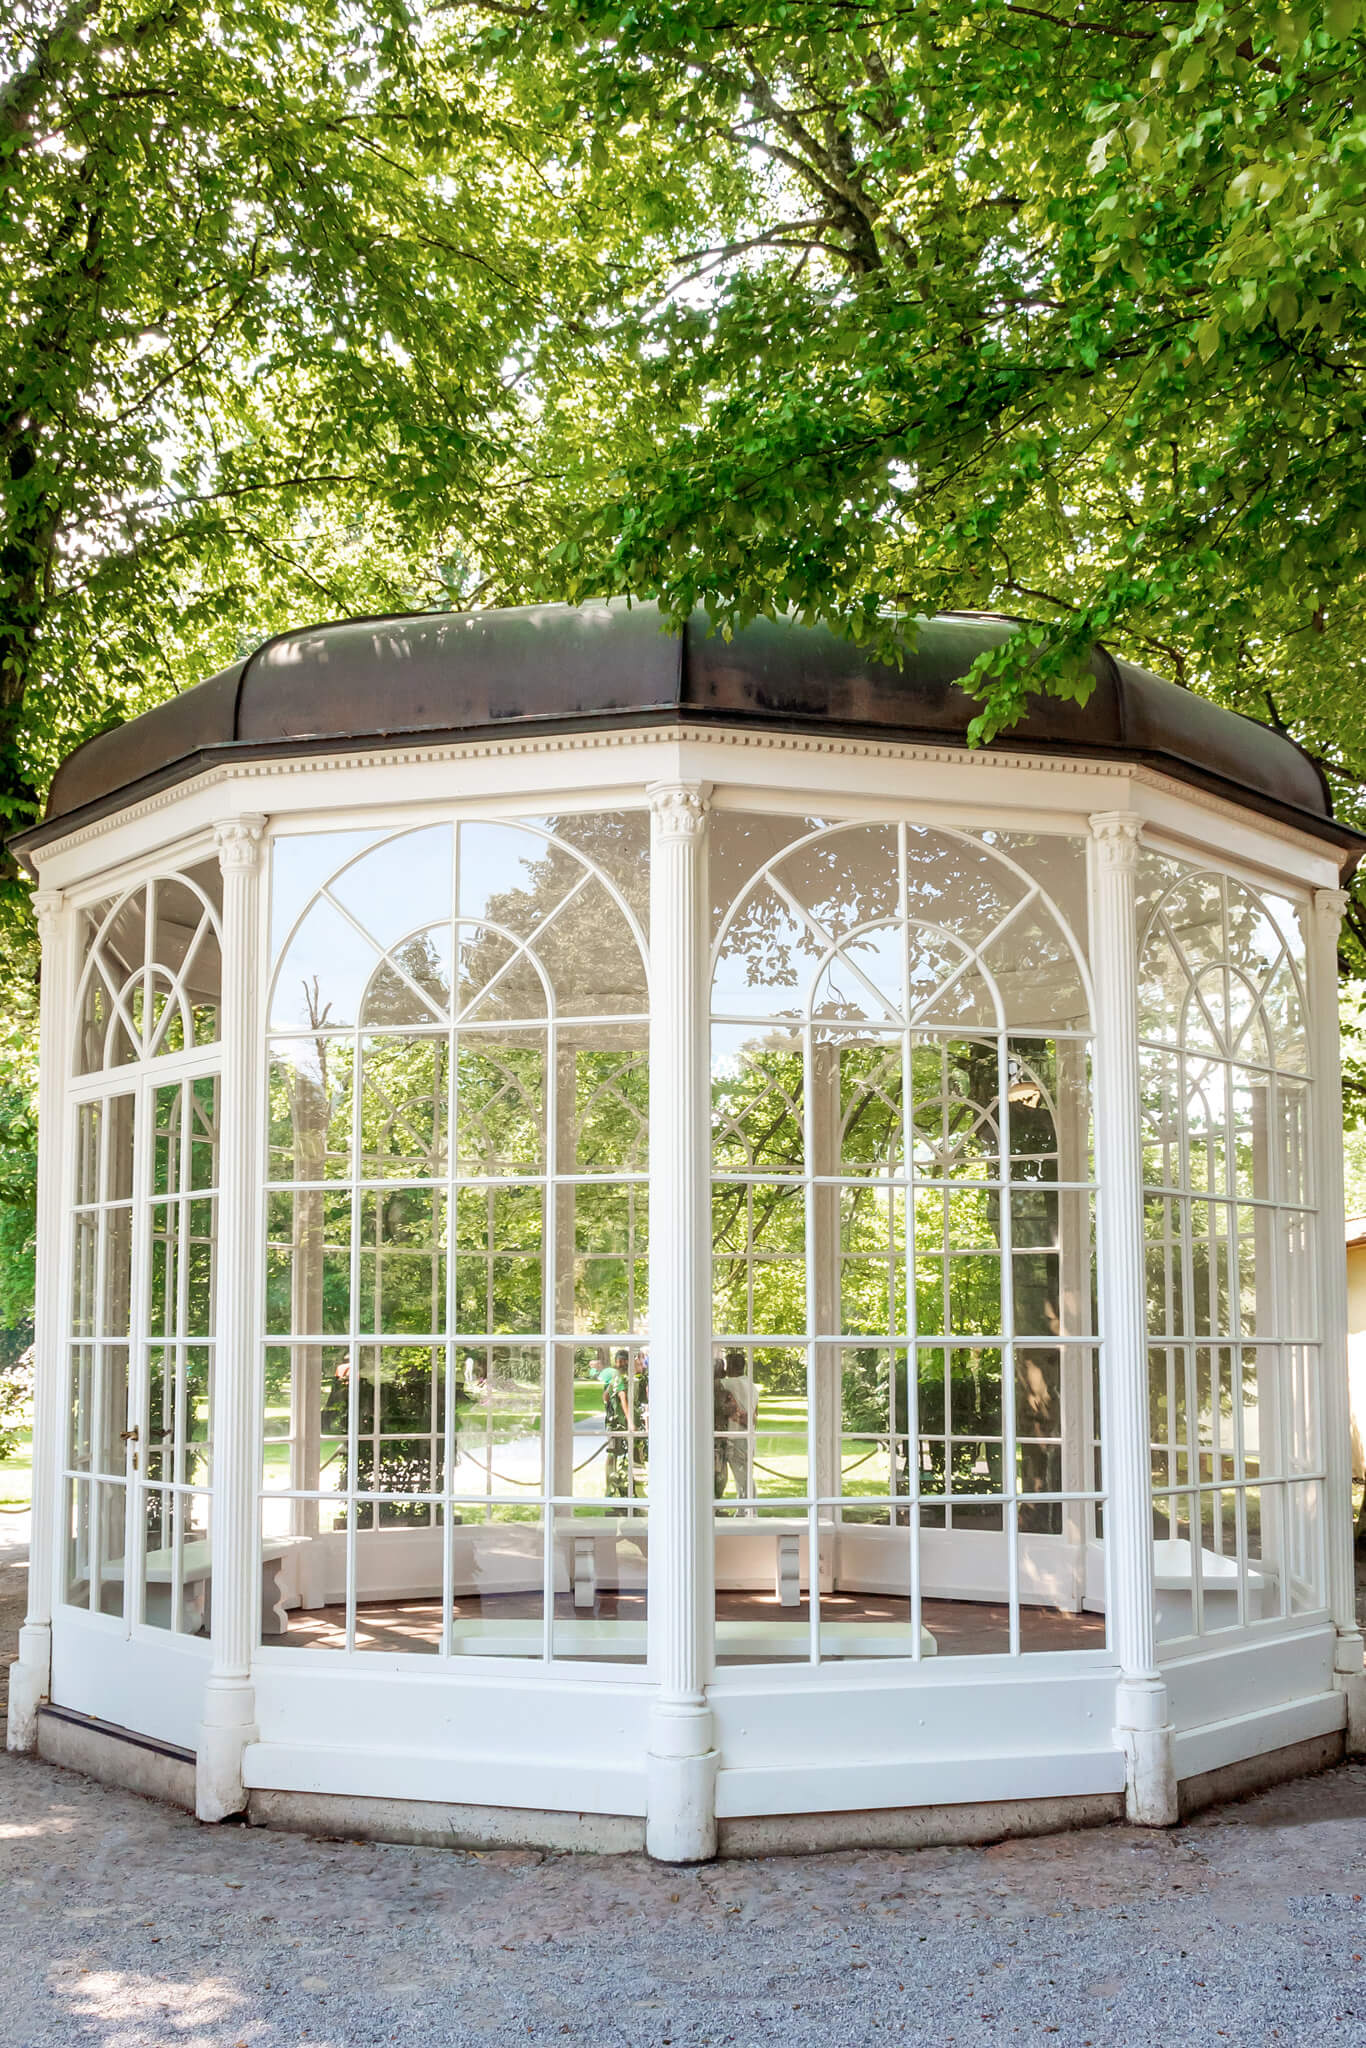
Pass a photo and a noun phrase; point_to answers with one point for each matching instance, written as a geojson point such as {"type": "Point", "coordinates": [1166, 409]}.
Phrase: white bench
{"type": "Point", "coordinates": [196, 1578]}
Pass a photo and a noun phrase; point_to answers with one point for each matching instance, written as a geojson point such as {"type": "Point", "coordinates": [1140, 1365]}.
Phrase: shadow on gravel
{"type": "Point", "coordinates": [1306, 1803]}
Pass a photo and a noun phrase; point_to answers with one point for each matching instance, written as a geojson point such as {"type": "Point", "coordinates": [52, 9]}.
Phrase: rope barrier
{"type": "Point", "coordinates": [501, 1477]}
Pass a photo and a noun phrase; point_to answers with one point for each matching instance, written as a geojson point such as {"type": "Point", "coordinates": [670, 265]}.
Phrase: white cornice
{"type": "Point", "coordinates": [622, 739]}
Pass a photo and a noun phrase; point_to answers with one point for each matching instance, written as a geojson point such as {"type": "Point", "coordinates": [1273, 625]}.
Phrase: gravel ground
{"type": "Point", "coordinates": [128, 1925]}
{"type": "Point", "coordinates": [124, 1923]}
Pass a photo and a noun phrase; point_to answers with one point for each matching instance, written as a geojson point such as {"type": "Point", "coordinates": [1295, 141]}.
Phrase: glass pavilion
{"type": "Point", "coordinates": [637, 1245]}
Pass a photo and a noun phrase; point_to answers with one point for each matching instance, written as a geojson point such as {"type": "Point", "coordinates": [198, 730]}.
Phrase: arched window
{"type": "Point", "coordinates": [903, 1328]}
{"type": "Point", "coordinates": [457, 1261]}
{"type": "Point", "coordinates": [151, 977]}
{"type": "Point", "coordinates": [144, 1231]}
{"type": "Point", "coordinates": [1228, 1202]}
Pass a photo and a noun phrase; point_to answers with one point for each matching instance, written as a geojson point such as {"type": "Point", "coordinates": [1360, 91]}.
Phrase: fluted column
{"type": "Point", "coordinates": [30, 1678]}
{"type": "Point", "coordinates": [681, 1813]}
{"type": "Point", "coordinates": [229, 1701]}
{"type": "Point", "coordinates": [1331, 1259]}
{"type": "Point", "coordinates": [1142, 1720]}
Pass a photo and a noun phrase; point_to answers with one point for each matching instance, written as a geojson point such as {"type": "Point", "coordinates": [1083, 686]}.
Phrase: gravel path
{"type": "Point", "coordinates": [127, 1925]}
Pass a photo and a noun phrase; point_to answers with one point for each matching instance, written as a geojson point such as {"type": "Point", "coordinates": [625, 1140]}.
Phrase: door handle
{"type": "Point", "coordinates": [129, 1436]}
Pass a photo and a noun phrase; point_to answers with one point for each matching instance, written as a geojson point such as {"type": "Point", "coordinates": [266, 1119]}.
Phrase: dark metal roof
{"type": "Point", "coordinates": [366, 683]}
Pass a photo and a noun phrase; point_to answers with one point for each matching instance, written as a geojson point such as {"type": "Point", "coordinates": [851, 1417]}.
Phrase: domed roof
{"type": "Point", "coordinates": [447, 676]}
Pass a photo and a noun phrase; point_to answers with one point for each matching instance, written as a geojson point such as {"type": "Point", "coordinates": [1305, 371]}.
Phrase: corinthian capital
{"type": "Point", "coordinates": [1116, 834]}
{"type": "Point", "coordinates": [1331, 906]}
{"type": "Point", "coordinates": [47, 909]}
{"type": "Point", "coordinates": [239, 840]}
{"type": "Point", "coordinates": [680, 808]}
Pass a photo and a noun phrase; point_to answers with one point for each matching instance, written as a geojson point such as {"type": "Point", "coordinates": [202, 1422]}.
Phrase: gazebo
{"type": "Point", "coordinates": [638, 1245]}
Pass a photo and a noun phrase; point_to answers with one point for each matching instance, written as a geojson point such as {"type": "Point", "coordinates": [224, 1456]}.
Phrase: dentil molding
{"type": "Point", "coordinates": [355, 760]}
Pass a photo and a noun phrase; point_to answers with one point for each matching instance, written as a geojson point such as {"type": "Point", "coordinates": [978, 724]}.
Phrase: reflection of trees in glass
{"type": "Point", "coordinates": [928, 1255]}
{"type": "Point", "coordinates": [414, 969]}
{"type": "Point", "coordinates": [399, 1226]}
{"type": "Point", "coordinates": [583, 942]}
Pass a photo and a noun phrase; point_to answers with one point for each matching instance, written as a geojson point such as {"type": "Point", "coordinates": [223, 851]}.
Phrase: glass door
{"type": "Point", "coordinates": [139, 1449]}
{"type": "Point", "coordinates": [173, 1383]}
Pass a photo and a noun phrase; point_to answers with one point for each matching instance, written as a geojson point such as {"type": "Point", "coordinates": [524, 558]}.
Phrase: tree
{"type": "Point", "coordinates": [278, 283]}
{"type": "Point", "coordinates": [1053, 309]}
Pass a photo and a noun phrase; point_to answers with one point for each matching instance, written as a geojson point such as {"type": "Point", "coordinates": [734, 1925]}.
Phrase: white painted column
{"type": "Point", "coordinates": [30, 1678]}
{"type": "Point", "coordinates": [681, 1764]}
{"type": "Point", "coordinates": [1142, 1718]}
{"type": "Point", "coordinates": [229, 1722]}
{"type": "Point", "coordinates": [1329, 905]}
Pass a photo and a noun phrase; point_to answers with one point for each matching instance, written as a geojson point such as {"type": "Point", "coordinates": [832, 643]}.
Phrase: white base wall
{"type": "Point", "coordinates": [792, 1740]}
{"type": "Point", "coordinates": [960, 1731]}
{"type": "Point", "coordinates": [151, 1682]}
{"type": "Point", "coordinates": [492, 1737]}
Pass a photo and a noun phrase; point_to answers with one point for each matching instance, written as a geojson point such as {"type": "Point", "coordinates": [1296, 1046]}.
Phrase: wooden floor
{"type": "Point", "coordinates": [961, 1628]}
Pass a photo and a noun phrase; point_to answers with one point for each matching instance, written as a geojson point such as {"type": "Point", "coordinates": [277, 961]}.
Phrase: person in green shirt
{"type": "Point", "coordinates": [614, 1379]}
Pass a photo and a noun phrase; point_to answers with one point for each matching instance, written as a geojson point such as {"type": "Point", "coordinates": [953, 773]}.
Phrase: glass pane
{"type": "Point", "coordinates": [1054, 1610]}
{"type": "Point", "coordinates": [608, 1085]}
{"type": "Point", "coordinates": [611, 1271]}
{"type": "Point", "coordinates": [308, 1263]}
{"type": "Point", "coordinates": [847, 878]}
{"type": "Point", "coordinates": [402, 1264]}
{"type": "Point", "coordinates": [756, 1097]}
{"type": "Point", "coordinates": [498, 1583]}
{"type": "Point", "coordinates": [763, 1586]}
{"type": "Point", "coordinates": [185, 946]}
{"type": "Point", "coordinates": [321, 982]}
{"type": "Point", "coordinates": [1036, 972]}
{"type": "Point", "coordinates": [412, 983]}
{"type": "Point", "coordinates": [767, 959]}
{"type": "Point", "coordinates": [760, 1430]}
{"type": "Point", "coordinates": [1056, 864]}
{"type": "Point", "coordinates": [499, 1249]}
{"type": "Point", "coordinates": [871, 1262]}
{"type": "Point", "coordinates": [305, 1423]}
{"type": "Point", "coordinates": [109, 1443]}
{"type": "Point", "coordinates": [498, 1421]}
{"type": "Point", "coordinates": [82, 1405]}
{"type": "Point", "coordinates": [865, 1078]}
{"type": "Point", "coordinates": [78, 1544]}
{"type": "Point", "coordinates": [618, 844]}
{"type": "Point", "coordinates": [401, 1428]}
{"type": "Point", "coordinates": [759, 1258]}
{"type": "Point", "coordinates": [310, 1109]}
{"type": "Point", "coordinates": [107, 1547]}
{"type": "Point", "coordinates": [402, 885]}
{"type": "Point", "coordinates": [600, 1585]}
{"type": "Point", "coordinates": [955, 1114]}
{"type": "Point", "coordinates": [865, 1607]}
{"type": "Point", "coordinates": [406, 1622]}
{"type": "Point", "coordinates": [87, 1178]}
{"type": "Point", "coordinates": [513, 877]}
{"type": "Point", "coordinates": [874, 1440]}
{"type": "Point", "coordinates": [299, 865]}
{"type": "Point", "coordinates": [591, 957]}
{"type": "Point", "coordinates": [303, 1585]}
{"type": "Point", "coordinates": [965, 1589]}
{"type": "Point", "coordinates": [741, 843]}
{"type": "Point", "coordinates": [500, 1097]}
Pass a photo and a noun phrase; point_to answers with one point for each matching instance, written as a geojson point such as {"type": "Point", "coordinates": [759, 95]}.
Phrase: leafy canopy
{"type": "Point", "coordinates": [1053, 309]}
